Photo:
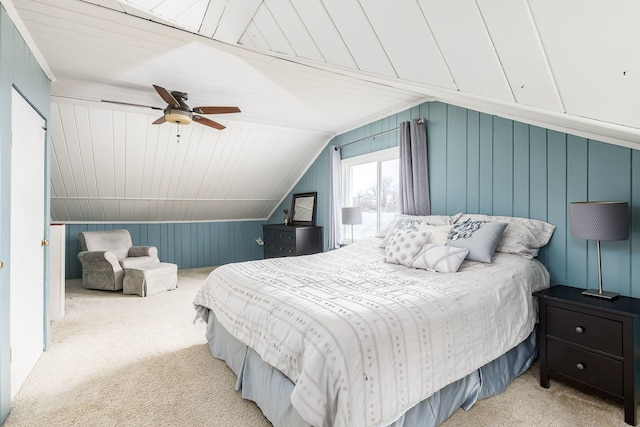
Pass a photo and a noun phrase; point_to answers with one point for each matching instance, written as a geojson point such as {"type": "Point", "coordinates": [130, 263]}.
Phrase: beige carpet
{"type": "Point", "coordinates": [121, 360]}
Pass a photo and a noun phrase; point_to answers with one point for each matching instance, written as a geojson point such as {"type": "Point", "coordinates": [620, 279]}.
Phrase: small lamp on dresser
{"type": "Point", "coordinates": [599, 221]}
{"type": "Point", "coordinates": [352, 216]}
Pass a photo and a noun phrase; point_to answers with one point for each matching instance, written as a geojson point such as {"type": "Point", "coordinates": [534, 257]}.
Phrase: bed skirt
{"type": "Point", "coordinates": [270, 389]}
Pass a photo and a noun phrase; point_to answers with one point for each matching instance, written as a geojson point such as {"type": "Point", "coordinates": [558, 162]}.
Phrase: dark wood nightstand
{"type": "Point", "coordinates": [591, 343]}
{"type": "Point", "coordinates": [291, 240]}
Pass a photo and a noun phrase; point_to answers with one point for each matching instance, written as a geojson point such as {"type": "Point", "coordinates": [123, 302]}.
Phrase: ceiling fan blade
{"type": "Point", "coordinates": [168, 98]}
{"type": "Point", "coordinates": [216, 110]}
{"type": "Point", "coordinates": [208, 122]}
{"type": "Point", "coordinates": [159, 121]}
{"type": "Point", "coordinates": [128, 103]}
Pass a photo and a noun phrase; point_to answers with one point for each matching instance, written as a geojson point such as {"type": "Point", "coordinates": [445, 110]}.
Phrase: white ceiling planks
{"type": "Point", "coordinates": [521, 53]}
{"type": "Point", "coordinates": [260, 85]}
{"type": "Point", "coordinates": [413, 51]}
{"type": "Point", "coordinates": [285, 17]}
{"type": "Point", "coordinates": [135, 161]}
{"type": "Point", "coordinates": [99, 151]}
{"type": "Point", "coordinates": [211, 18]}
{"type": "Point", "coordinates": [236, 16]}
{"type": "Point", "coordinates": [272, 31]}
{"type": "Point", "coordinates": [467, 48]}
{"type": "Point", "coordinates": [324, 33]}
{"type": "Point", "coordinates": [301, 71]}
{"type": "Point", "coordinates": [142, 11]}
{"type": "Point", "coordinates": [141, 172]}
{"type": "Point", "coordinates": [360, 38]}
{"type": "Point", "coordinates": [119, 152]}
{"type": "Point", "coordinates": [190, 16]}
{"type": "Point", "coordinates": [253, 38]}
{"type": "Point", "coordinates": [594, 58]}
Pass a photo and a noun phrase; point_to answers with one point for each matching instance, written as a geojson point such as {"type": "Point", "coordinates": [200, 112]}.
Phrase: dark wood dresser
{"type": "Point", "coordinates": [592, 343]}
{"type": "Point", "coordinates": [291, 240]}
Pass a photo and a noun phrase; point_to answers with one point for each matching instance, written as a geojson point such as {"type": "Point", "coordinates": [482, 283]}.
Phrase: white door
{"type": "Point", "coordinates": [26, 274]}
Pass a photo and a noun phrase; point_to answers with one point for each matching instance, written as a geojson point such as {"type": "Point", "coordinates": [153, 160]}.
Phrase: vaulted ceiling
{"type": "Point", "coordinates": [302, 71]}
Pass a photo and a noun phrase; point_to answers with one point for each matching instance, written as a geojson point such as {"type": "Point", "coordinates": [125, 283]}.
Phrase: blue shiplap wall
{"type": "Point", "coordinates": [479, 163]}
{"type": "Point", "coordinates": [189, 245]}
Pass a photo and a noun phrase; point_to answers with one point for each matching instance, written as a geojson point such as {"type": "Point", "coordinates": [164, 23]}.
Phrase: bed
{"type": "Point", "coordinates": [343, 338]}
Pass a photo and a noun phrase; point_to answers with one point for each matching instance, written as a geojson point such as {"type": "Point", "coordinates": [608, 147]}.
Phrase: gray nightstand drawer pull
{"type": "Point", "coordinates": [579, 329]}
{"type": "Point", "coordinates": [580, 366]}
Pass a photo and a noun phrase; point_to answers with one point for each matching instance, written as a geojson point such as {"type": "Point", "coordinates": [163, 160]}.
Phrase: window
{"type": "Point", "coordinates": [371, 181]}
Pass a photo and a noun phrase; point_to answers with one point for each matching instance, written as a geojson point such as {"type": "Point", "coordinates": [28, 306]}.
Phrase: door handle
{"type": "Point", "coordinates": [44, 243]}
{"type": "Point", "coordinates": [1, 265]}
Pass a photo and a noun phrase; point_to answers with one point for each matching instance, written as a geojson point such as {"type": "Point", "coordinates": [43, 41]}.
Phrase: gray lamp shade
{"type": "Point", "coordinates": [599, 220]}
{"type": "Point", "coordinates": [352, 216]}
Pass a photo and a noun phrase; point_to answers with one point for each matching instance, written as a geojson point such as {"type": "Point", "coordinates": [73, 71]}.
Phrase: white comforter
{"type": "Point", "coordinates": [364, 340]}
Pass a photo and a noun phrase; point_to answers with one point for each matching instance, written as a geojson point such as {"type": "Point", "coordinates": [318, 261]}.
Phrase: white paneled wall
{"type": "Point", "coordinates": [117, 166]}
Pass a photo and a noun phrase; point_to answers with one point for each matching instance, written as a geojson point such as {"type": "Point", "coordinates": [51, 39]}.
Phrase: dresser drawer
{"type": "Point", "coordinates": [272, 250]}
{"type": "Point", "coordinates": [590, 331]}
{"type": "Point", "coordinates": [592, 369]}
{"type": "Point", "coordinates": [281, 237]}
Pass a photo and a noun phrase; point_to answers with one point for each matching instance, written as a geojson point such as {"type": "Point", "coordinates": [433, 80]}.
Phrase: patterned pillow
{"type": "Point", "coordinates": [480, 237]}
{"type": "Point", "coordinates": [401, 224]}
{"type": "Point", "coordinates": [444, 259]}
{"type": "Point", "coordinates": [404, 246]}
{"type": "Point", "coordinates": [523, 236]}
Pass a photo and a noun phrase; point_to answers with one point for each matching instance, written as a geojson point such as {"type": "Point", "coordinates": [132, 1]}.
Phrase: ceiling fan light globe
{"type": "Point", "coordinates": [178, 117]}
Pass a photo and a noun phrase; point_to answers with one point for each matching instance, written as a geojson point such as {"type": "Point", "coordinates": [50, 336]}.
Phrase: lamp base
{"type": "Point", "coordinates": [604, 294]}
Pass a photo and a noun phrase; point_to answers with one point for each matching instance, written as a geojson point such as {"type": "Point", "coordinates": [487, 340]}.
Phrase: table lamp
{"type": "Point", "coordinates": [599, 221]}
{"type": "Point", "coordinates": [352, 216]}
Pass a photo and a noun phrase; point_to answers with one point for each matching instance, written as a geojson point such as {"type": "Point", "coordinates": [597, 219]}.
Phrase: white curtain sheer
{"type": "Point", "coordinates": [414, 173]}
{"type": "Point", "coordinates": [335, 198]}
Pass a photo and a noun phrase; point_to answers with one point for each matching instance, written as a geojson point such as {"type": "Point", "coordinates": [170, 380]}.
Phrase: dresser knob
{"type": "Point", "coordinates": [580, 366]}
{"type": "Point", "coordinates": [579, 329]}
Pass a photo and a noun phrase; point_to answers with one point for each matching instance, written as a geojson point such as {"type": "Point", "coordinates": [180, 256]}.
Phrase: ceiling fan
{"type": "Point", "coordinates": [178, 112]}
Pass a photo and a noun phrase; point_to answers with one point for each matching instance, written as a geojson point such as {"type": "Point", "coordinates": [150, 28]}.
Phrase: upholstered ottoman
{"type": "Point", "coordinates": [150, 279]}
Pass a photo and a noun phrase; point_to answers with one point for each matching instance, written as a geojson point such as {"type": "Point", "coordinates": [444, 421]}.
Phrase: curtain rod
{"type": "Point", "coordinates": [384, 132]}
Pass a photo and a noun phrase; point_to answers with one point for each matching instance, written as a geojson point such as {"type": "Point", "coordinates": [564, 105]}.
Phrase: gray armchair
{"type": "Point", "coordinates": [105, 254]}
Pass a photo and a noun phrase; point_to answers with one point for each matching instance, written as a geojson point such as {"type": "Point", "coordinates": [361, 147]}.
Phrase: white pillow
{"type": "Point", "coordinates": [404, 246]}
{"type": "Point", "coordinates": [444, 259]}
{"type": "Point", "coordinates": [523, 236]}
{"type": "Point", "coordinates": [429, 219]}
{"type": "Point", "coordinates": [439, 233]}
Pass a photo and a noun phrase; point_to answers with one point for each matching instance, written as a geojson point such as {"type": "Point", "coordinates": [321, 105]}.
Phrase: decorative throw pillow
{"type": "Point", "coordinates": [444, 259]}
{"type": "Point", "coordinates": [404, 246]}
{"type": "Point", "coordinates": [480, 237]}
{"type": "Point", "coordinates": [523, 236]}
{"type": "Point", "coordinates": [439, 233]}
{"type": "Point", "coordinates": [403, 224]}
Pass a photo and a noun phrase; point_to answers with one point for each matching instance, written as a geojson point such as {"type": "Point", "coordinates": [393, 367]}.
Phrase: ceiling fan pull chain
{"type": "Point", "coordinates": [178, 136]}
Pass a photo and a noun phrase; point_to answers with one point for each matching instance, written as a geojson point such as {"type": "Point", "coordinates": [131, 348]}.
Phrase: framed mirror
{"type": "Point", "coordinates": [303, 208]}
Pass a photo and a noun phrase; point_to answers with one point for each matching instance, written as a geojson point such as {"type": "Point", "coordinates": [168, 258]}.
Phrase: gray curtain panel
{"type": "Point", "coordinates": [335, 198]}
{"type": "Point", "coordinates": [414, 173]}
